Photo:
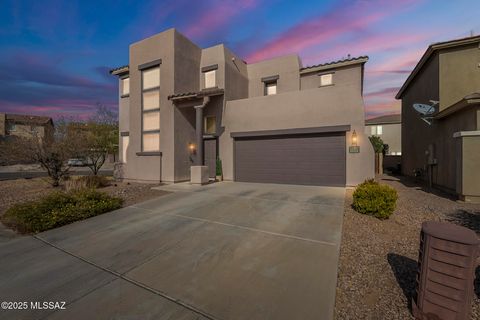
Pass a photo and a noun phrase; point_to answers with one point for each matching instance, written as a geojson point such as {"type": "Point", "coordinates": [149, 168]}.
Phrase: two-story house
{"type": "Point", "coordinates": [275, 121]}
{"type": "Point", "coordinates": [389, 129]}
{"type": "Point", "coordinates": [444, 146]}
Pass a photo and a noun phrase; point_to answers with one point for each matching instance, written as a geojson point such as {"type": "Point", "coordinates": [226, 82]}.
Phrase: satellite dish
{"type": "Point", "coordinates": [424, 109]}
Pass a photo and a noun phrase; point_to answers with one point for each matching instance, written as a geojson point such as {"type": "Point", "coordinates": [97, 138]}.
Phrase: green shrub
{"type": "Point", "coordinates": [58, 209]}
{"type": "Point", "coordinates": [86, 182]}
{"type": "Point", "coordinates": [375, 199]}
{"type": "Point", "coordinates": [218, 167]}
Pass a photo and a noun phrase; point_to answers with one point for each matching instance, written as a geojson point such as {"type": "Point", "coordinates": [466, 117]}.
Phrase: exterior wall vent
{"type": "Point", "coordinates": [447, 260]}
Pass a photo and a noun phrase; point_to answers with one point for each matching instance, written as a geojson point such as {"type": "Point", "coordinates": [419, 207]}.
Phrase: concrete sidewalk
{"type": "Point", "coordinates": [223, 251]}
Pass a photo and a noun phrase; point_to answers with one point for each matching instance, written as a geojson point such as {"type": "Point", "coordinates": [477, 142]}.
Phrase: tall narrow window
{"type": "Point", "coordinates": [210, 80]}
{"type": "Point", "coordinates": [125, 86]}
{"type": "Point", "coordinates": [125, 140]}
{"type": "Point", "coordinates": [326, 79]}
{"type": "Point", "coordinates": [151, 109]}
{"type": "Point", "coordinates": [379, 130]}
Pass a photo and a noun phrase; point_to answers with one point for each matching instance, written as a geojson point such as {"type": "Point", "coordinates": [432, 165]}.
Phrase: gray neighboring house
{"type": "Point", "coordinates": [274, 121]}
{"type": "Point", "coordinates": [389, 128]}
{"type": "Point", "coordinates": [25, 126]}
{"type": "Point", "coordinates": [448, 150]}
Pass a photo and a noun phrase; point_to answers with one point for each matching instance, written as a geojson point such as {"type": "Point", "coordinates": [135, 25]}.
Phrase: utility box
{"type": "Point", "coordinates": [447, 261]}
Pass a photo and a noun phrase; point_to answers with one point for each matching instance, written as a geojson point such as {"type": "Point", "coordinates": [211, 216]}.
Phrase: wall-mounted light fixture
{"type": "Point", "coordinates": [191, 148]}
{"type": "Point", "coordinates": [354, 148]}
{"type": "Point", "coordinates": [354, 139]}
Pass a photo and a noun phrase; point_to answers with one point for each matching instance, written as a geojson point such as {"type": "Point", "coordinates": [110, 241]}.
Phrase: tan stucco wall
{"type": "Point", "coordinates": [459, 74]}
{"type": "Point", "coordinates": [469, 184]}
{"type": "Point", "coordinates": [2, 124]}
{"type": "Point", "coordinates": [327, 106]}
{"type": "Point", "coordinates": [416, 134]}
{"type": "Point", "coordinates": [391, 135]}
{"type": "Point", "coordinates": [286, 67]}
{"type": "Point", "coordinates": [152, 168]}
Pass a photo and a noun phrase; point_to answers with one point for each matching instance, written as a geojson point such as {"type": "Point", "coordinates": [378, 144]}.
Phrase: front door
{"type": "Point", "coordinates": [210, 155]}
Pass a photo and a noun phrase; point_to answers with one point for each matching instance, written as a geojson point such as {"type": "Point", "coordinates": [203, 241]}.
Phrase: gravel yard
{"type": "Point", "coordinates": [378, 259]}
{"type": "Point", "coordinates": [20, 190]}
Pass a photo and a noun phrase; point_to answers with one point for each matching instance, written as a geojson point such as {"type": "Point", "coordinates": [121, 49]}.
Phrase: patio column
{"type": "Point", "coordinates": [199, 134]}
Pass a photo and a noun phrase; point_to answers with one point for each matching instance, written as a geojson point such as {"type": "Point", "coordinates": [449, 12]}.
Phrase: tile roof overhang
{"type": "Point", "coordinates": [195, 95]}
{"type": "Point", "coordinates": [387, 119]}
{"type": "Point", "coordinates": [334, 64]}
{"type": "Point", "coordinates": [120, 70]}
{"type": "Point", "coordinates": [433, 48]}
{"type": "Point", "coordinates": [27, 119]}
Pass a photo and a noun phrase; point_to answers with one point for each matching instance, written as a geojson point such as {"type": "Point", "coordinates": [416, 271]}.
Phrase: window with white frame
{"type": "Point", "coordinates": [125, 86]}
{"type": "Point", "coordinates": [151, 109]}
{"type": "Point", "coordinates": [270, 88]}
{"type": "Point", "coordinates": [125, 141]}
{"type": "Point", "coordinates": [210, 80]}
{"type": "Point", "coordinates": [326, 79]}
{"type": "Point", "coordinates": [376, 130]}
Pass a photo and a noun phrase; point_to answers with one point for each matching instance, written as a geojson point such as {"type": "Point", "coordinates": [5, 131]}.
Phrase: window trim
{"type": "Point", "coordinates": [142, 68]}
{"type": "Point", "coordinates": [210, 68]}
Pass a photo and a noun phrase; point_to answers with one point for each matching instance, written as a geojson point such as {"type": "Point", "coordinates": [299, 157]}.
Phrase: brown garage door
{"type": "Point", "coordinates": [309, 159]}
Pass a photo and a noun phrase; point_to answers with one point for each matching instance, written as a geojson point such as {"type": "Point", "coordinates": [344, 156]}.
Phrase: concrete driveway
{"type": "Point", "coordinates": [222, 251]}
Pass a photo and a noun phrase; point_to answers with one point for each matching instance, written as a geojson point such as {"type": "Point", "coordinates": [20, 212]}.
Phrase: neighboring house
{"type": "Point", "coordinates": [389, 128]}
{"type": "Point", "coordinates": [274, 121]}
{"type": "Point", "coordinates": [447, 152]}
{"type": "Point", "coordinates": [26, 126]}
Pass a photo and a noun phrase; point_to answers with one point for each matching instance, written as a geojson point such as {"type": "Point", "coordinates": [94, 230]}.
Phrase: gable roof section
{"type": "Point", "coordinates": [387, 119]}
{"type": "Point", "coordinates": [433, 48]}
{"type": "Point", "coordinates": [26, 119]}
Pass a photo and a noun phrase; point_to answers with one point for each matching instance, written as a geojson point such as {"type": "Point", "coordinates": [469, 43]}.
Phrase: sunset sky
{"type": "Point", "coordinates": [55, 55]}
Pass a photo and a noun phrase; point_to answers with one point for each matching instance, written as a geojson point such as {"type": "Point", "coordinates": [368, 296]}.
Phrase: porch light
{"type": "Point", "coordinates": [191, 148]}
{"type": "Point", "coordinates": [354, 138]}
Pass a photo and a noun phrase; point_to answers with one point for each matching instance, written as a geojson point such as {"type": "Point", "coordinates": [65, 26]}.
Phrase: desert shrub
{"type": "Point", "coordinates": [375, 199]}
{"type": "Point", "coordinates": [86, 182]}
{"type": "Point", "coordinates": [58, 209]}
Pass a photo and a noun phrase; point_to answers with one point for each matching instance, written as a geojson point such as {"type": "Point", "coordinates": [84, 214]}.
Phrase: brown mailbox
{"type": "Point", "coordinates": [446, 270]}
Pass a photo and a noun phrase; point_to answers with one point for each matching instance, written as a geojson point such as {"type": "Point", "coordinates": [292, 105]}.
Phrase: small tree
{"type": "Point", "coordinates": [377, 143]}
{"type": "Point", "coordinates": [99, 137]}
{"type": "Point", "coordinates": [378, 147]}
{"type": "Point", "coordinates": [52, 153]}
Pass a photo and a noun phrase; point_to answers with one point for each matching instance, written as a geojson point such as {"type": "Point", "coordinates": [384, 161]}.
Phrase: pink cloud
{"type": "Point", "coordinates": [217, 17]}
{"type": "Point", "coordinates": [341, 20]}
{"type": "Point", "coordinates": [399, 63]}
{"type": "Point", "coordinates": [393, 107]}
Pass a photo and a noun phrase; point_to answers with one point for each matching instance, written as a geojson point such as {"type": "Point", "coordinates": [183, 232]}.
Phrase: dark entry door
{"type": "Point", "coordinates": [313, 159]}
{"type": "Point", "coordinates": [210, 155]}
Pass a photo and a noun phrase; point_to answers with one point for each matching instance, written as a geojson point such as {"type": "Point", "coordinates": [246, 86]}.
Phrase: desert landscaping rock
{"type": "Point", "coordinates": [378, 259]}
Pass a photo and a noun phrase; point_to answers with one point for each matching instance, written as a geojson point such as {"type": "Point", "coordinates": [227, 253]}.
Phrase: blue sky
{"type": "Point", "coordinates": [55, 55]}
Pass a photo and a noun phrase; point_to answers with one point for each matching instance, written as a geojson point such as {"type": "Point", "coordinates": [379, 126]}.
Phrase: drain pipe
{"type": "Point", "coordinates": [199, 130]}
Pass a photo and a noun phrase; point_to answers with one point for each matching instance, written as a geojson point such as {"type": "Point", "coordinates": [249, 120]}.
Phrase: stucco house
{"type": "Point", "coordinates": [274, 121]}
{"type": "Point", "coordinates": [445, 145]}
{"type": "Point", "coordinates": [25, 126]}
{"type": "Point", "coordinates": [389, 128]}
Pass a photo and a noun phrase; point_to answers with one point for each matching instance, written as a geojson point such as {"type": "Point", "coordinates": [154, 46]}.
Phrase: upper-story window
{"type": "Point", "coordinates": [376, 130]}
{"type": "Point", "coordinates": [210, 79]}
{"type": "Point", "coordinates": [125, 83]}
{"type": "Point", "coordinates": [326, 79]}
{"type": "Point", "coordinates": [210, 124]}
{"type": "Point", "coordinates": [270, 85]}
{"type": "Point", "coordinates": [270, 88]}
{"type": "Point", "coordinates": [150, 107]}
{"type": "Point", "coordinates": [210, 76]}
